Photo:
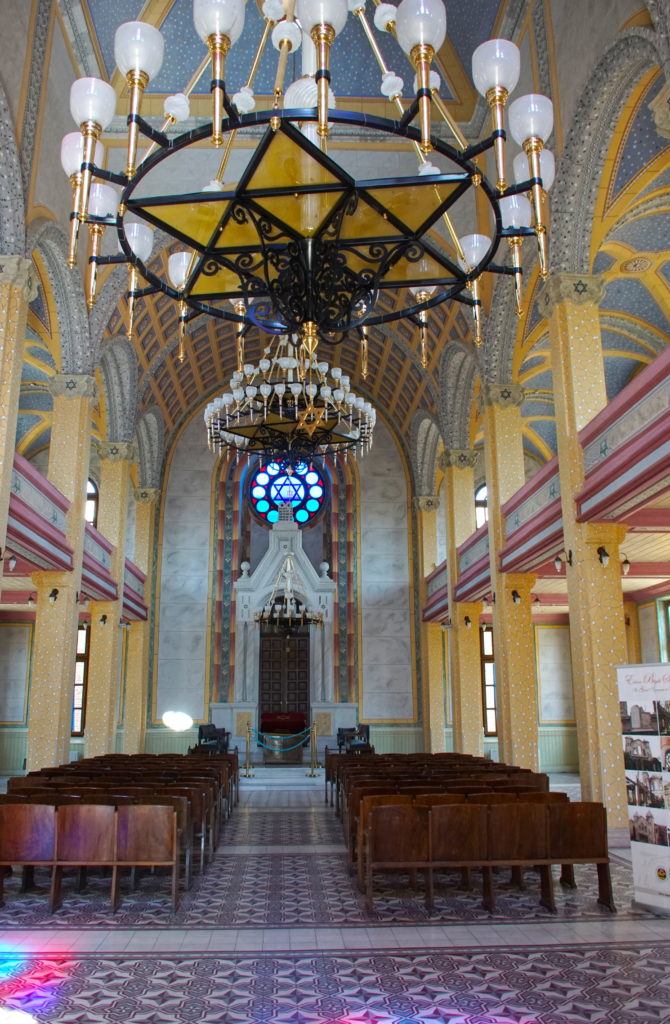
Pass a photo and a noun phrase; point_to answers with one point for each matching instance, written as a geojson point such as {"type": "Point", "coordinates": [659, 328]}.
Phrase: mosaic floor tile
{"type": "Point", "coordinates": [300, 890]}
{"type": "Point", "coordinates": [621, 984]}
{"type": "Point", "coordinates": [310, 827]}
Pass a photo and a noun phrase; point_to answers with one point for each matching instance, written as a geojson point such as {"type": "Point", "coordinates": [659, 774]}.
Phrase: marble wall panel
{"type": "Point", "coordinates": [14, 664]}
{"type": "Point", "coordinates": [185, 578]}
{"type": "Point", "coordinates": [386, 604]}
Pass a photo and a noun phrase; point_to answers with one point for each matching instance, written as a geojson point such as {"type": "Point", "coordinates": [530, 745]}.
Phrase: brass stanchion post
{"type": "Point", "coordinates": [312, 773]}
{"type": "Point", "coordinates": [248, 774]}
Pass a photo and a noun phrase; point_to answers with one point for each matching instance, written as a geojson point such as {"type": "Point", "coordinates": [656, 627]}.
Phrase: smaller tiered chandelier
{"type": "Point", "coordinates": [290, 408]}
{"type": "Point", "coordinates": [283, 610]}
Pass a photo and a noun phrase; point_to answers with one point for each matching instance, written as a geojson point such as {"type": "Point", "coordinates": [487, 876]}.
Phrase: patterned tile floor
{"type": "Point", "coordinates": [275, 932]}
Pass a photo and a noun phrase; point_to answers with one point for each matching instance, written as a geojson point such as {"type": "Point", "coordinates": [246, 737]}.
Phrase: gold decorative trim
{"type": "Point", "coordinates": [460, 458]}
{"type": "Point", "coordinates": [146, 495]}
{"type": "Point", "coordinates": [427, 502]}
{"type": "Point", "coordinates": [117, 451]}
{"type": "Point", "coordinates": [73, 385]}
{"type": "Point", "coordinates": [19, 273]}
{"type": "Point", "coordinates": [503, 395]}
{"type": "Point", "coordinates": [576, 289]}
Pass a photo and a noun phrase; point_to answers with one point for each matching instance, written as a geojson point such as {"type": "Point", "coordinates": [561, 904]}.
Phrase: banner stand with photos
{"type": "Point", "coordinates": [644, 702]}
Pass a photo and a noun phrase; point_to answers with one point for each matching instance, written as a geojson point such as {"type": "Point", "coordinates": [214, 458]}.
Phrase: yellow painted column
{"type": "Point", "coordinates": [514, 648]}
{"type": "Point", "coordinates": [465, 671]}
{"type": "Point", "coordinates": [55, 642]}
{"type": "Point", "coordinates": [18, 286]}
{"type": "Point", "coordinates": [104, 663]}
{"type": "Point", "coordinates": [433, 680]}
{"type": "Point", "coordinates": [597, 625]}
{"type": "Point", "coordinates": [137, 660]}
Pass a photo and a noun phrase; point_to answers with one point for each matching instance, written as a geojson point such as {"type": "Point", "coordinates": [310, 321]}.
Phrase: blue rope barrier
{"type": "Point", "coordinates": [300, 742]}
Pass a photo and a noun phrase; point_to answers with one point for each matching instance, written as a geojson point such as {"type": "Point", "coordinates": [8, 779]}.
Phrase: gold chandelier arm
{"type": "Point", "coordinates": [170, 120]}
{"type": "Point", "coordinates": [447, 118]}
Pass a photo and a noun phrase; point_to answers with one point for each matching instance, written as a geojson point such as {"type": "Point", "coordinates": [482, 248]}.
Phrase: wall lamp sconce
{"type": "Point", "coordinates": [516, 597]}
{"type": "Point", "coordinates": [11, 563]}
{"type": "Point", "coordinates": [445, 625]}
{"type": "Point", "coordinates": [103, 620]}
{"type": "Point", "coordinates": [53, 596]}
{"type": "Point", "coordinates": [489, 600]}
{"type": "Point", "coordinates": [467, 621]}
{"type": "Point", "coordinates": [604, 556]}
{"type": "Point", "coordinates": [31, 600]}
{"type": "Point", "coordinates": [562, 557]}
{"type": "Point", "coordinates": [84, 601]}
{"type": "Point", "coordinates": [625, 565]}
{"type": "Point", "coordinates": [536, 599]}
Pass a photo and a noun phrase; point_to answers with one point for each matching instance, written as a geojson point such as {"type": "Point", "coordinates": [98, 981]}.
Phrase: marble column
{"type": "Point", "coordinates": [465, 671]}
{"type": "Point", "coordinates": [106, 639]}
{"type": "Point", "coordinates": [427, 506]}
{"type": "Point", "coordinates": [18, 286]}
{"type": "Point", "coordinates": [514, 648]}
{"type": "Point", "coordinates": [137, 661]}
{"type": "Point", "coordinates": [597, 626]}
{"type": "Point", "coordinates": [55, 641]}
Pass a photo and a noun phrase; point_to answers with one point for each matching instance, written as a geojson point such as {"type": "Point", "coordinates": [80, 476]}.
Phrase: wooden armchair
{"type": "Point", "coordinates": [397, 838]}
{"type": "Point", "coordinates": [578, 835]}
{"type": "Point", "coordinates": [27, 838]}
{"type": "Point", "coordinates": [85, 837]}
{"type": "Point", "coordinates": [147, 837]}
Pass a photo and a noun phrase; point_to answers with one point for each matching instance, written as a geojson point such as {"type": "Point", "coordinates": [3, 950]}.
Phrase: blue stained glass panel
{"type": "Point", "coordinates": [300, 486]}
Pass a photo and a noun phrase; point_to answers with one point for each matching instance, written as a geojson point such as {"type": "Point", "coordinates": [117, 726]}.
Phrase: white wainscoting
{"type": "Point", "coordinates": [13, 749]}
{"type": "Point", "coordinates": [401, 740]}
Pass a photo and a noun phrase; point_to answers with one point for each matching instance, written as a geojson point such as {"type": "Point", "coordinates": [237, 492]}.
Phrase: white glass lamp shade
{"type": "Point", "coordinates": [138, 47]}
{"type": "Point", "coordinates": [178, 264]}
{"type": "Point", "coordinates": [421, 21]}
{"type": "Point", "coordinates": [72, 153]}
{"type": "Point", "coordinates": [547, 168]}
{"type": "Point", "coordinates": [323, 12]}
{"type": "Point", "coordinates": [177, 720]}
{"type": "Point", "coordinates": [531, 116]}
{"type": "Point", "coordinates": [515, 211]}
{"type": "Point", "coordinates": [91, 99]}
{"type": "Point", "coordinates": [103, 200]}
{"type": "Point", "coordinates": [496, 63]}
{"type": "Point", "coordinates": [223, 17]}
{"type": "Point", "coordinates": [475, 248]}
{"type": "Point", "coordinates": [140, 239]}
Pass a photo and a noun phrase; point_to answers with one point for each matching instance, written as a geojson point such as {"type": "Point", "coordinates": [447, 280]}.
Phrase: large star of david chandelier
{"type": "Point", "coordinates": [298, 245]}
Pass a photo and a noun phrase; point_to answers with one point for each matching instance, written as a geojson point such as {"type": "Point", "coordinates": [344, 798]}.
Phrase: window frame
{"type": "Point", "coordinates": [488, 660]}
{"type": "Point", "coordinates": [81, 658]}
{"type": "Point", "coordinates": [93, 499]}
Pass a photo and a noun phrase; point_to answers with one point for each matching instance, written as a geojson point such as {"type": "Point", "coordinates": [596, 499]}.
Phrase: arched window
{"type": "Point", "coordinates": [481, 506]}
{"type": "Point", "coordinates": [489, 705]}
{"type": "Point", "coordinates": [301, 486]}
{"type": "Point", "coordinates": [92, 498]}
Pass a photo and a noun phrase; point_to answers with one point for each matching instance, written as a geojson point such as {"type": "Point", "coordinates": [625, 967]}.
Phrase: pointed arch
{"type": "Point", "coordinates": [150, 434]}
{"type": "Point", "coordinates": [424, 442]}
{"type": "Point", "coordinates": [118, 368]}
{"type": "Point", "coordinates": [49, 240]}
{"type": "Point", "coordinates": [580, 167]}
{"type": "Point", "coordinates": [12, 206]}
{"type": "Point", "coordinates": [458, 372]}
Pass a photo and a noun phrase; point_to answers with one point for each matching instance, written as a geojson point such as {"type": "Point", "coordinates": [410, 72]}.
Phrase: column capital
{"type": "Point", "coordinates": [460, 458]}
{"type": "Point", "coordinates": [503, 395]}
{"type": "Point", "coordinates": [427, 502]}
{"type": "Point", "coordinates": [146, 495]}
{"type": "Point", "coordinates": [20, 273]}
{"type": "Point", "coordinates": [576, 289]}
{"type": "Point", "coordinates": [73, 385]}
{"type": "Point", "coordinates": [117, 451]}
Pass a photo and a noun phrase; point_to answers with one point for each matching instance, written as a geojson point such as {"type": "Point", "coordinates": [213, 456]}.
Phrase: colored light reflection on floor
{"type": "Point", "coordinates": [27, 987]}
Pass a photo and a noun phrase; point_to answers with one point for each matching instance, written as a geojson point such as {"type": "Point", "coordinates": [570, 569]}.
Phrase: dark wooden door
{"type": "Point", "coordinates": [284, 673]}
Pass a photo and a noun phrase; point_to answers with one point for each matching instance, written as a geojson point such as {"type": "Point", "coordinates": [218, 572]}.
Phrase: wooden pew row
{"type": "Point", "coordinates": [473, 835]}
{"type": "Point", "coordinates": [84, 835]}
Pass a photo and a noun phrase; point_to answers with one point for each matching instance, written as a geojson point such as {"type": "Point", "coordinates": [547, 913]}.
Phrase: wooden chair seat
{"type": "Point", "coordinates": [397, 837]}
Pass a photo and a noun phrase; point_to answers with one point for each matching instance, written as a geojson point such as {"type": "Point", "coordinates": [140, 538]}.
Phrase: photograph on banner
{"type": "Point", "coordinates": [663, 712]}
{"type": "Point", "coordinates": [665, 753]}
{"type": "Point", "coordinates": [642, 753]}
{"type": "Point", "coordinates": [648, 826]}
{"type": "Point", "coordinates": [645, 789]}
{"type": "Point", "coordinates": [639, 717]}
